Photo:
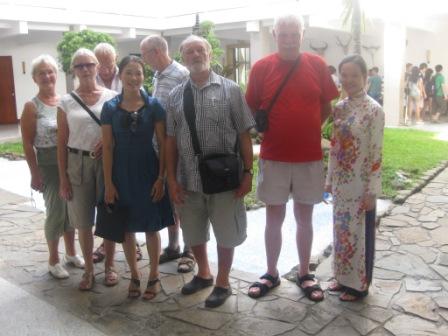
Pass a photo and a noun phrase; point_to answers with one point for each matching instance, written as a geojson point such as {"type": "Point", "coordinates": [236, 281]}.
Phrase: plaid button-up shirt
{"type": "Point", "coordinates": [168, 79]}
{"type": "Point", "coordinates": [221, 115]}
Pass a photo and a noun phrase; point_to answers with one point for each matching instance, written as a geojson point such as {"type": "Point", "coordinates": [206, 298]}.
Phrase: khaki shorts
{"type": "Point", "coordinates": [226, 213]}
{"type": "Point", "coordinates": [86, 177]}
{"type": "Point", "coordinates": [277, 180]}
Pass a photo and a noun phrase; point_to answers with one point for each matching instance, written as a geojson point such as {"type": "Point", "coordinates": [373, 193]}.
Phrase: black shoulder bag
{"type": "Point", "coordinates": [261, 116]}
{"type": "Point", "coordinates": [219, 172]}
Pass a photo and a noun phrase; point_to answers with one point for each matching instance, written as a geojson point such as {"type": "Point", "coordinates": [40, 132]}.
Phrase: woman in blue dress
{"type": "Point", "coordinates": [133, 174]}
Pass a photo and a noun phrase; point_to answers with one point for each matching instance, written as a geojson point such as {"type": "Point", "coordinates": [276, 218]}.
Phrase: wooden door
{"type": "Point", "coordinates": [8, 110]}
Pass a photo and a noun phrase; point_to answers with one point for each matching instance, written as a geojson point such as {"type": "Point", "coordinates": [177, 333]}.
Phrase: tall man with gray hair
{"type": "Point", "coordinates": [168, 74]}
{"type": "Point", "coordinates": [291, 156]}
{"type": "Point", "coordinates": [107, 67]}
{"type": "Point", "coordinates": [222, 120]}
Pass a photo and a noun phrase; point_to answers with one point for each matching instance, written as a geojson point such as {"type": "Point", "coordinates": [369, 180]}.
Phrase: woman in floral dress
{"type": "Point", "coordinates": [354, 179]}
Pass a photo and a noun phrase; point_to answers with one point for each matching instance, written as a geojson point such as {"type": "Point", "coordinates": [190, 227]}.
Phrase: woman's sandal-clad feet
{"type": "Point", "coordinates": [152, 288]}
{"type": "Point", "coordinates": [351, 295]}
{"type": "Point", "coordinates": [259, 289]}
{"type": "Point", "coordinates": [312, 292]}
{"type": "Point", "coordinates": [134, 289]}
{"type": "Point", "coordinates": [86, 284]}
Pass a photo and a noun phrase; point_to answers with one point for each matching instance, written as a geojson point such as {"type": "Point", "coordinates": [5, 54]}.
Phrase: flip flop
{"type": "Point", "coordinates": [354, 295]}
{"type": "Point", "coordinates": [264, 288]}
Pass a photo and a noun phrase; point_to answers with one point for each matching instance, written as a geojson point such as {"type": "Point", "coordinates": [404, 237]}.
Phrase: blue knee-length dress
{"type": "Point", "coordinates": [135, 166]}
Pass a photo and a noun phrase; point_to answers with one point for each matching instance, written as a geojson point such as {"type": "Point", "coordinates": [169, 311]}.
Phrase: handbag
{"type": "Point", "coordinates": [219, 172]}
{"type": "Point", "coordinates": [111, 221]}
{"type": "Point", "coordinates": [261, 116]}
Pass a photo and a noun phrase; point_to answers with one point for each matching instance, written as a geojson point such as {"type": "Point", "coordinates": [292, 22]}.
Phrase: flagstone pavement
{"type": "Point", "coordinates": [409, 295]}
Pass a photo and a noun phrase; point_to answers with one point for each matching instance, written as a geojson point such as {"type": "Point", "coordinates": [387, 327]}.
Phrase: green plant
{"type": "Point", "coordinates": [208, 32]}
{"type": "Point", "coordinates": [72, 41]}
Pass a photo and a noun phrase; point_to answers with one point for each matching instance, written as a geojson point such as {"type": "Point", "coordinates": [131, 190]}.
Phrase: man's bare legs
{"type": "Point", "coordinates": [303, 214]}
{"type": "Point", "coordinates": [275, 215]}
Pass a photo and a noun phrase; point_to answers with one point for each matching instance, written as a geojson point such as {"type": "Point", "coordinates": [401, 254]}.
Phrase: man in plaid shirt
{"type": "Point", "coordinates": [222, 119]}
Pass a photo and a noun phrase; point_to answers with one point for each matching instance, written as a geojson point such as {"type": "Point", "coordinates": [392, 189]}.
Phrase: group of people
{"type": "Point", "coordinates": [425, 93]}
{"type": "Point", "coordinates": [131, 148]}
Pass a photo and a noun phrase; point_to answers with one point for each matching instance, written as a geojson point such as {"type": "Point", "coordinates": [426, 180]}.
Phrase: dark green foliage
{"type": "Point", "coordinates": [72, 41]}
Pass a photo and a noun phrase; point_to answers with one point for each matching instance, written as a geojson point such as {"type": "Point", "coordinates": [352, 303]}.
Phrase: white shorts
{"type": "Point", "coordinates": [277, 180]}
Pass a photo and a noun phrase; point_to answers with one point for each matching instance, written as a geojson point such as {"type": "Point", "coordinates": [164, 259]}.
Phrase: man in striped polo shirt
{"type": "Point", "coordinates": [168, 74]}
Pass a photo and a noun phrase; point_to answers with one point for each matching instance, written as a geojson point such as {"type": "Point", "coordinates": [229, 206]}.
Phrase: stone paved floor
{"type": "Point", "coordinates": [409, 295]}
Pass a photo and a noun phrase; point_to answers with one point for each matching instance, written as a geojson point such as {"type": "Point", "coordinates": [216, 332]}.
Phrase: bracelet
{"type": "Point", "coordinates": [161, 178]}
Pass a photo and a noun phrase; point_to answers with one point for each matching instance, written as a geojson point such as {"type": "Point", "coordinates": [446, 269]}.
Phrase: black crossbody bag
{"type": "Point", "coordinates": [261, 116]}
{"type": "Point", "coordinates": [219, 172]}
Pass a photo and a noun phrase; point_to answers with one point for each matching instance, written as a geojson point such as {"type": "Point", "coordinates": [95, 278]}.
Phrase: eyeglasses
{"type": "Point", "coordinates": [88, 66]}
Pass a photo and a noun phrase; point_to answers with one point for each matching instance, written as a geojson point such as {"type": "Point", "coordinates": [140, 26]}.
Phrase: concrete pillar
{"type": "Point", "coordinates": [259, 40]}
{"type": "Point", "coordinates": [394, 65]}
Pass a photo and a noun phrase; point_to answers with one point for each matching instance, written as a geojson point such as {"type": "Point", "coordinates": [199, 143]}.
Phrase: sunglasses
{"type": "Point", "coordinates": [131, 121]}
{"type": "Point", "coordinates": [84, 65]}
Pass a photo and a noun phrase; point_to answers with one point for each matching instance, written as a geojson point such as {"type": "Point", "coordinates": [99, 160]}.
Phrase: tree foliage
{"type": "Point", "coordinates": [72, 41]}
{"type": "Point", "coordinates": [208, 32]}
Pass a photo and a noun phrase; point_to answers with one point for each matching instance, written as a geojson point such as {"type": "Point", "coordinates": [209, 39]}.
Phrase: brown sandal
{"type": "Point", "coordinates": [87, 281]}
{"type": "Point", "coordinates": [186, 263]}
{"type": "Point", "coordinates": [99, 254]}
{"type": "Point", "coordinates": [134, 289]}
{"type": "Point", "coordinates": [152, 288]}
{"type": "Point", "coordinates": [335, 286]}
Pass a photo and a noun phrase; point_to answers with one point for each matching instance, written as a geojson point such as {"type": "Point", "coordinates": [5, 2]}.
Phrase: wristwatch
{"type": "Point", "coordinates": [249, 171]}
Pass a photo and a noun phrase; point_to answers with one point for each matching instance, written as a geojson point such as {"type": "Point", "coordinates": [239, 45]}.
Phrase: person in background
{"type": "Point", "coordinates": [374, 85]}
{"type": "Point", "coordinates": [168, 74]}
{"type": "Point", "coordinates": [428, 84]}
{"type": "Point", "coordinates": [80, 163]}
{"type": "Point", "coordinates": [354, 179]}
{"type": "Point", "coordinates": [334, 76]}
{"type": "Point", "coordinates": [416, 94]}
{"type": "Point", "coordinates": [291, 154]}
{"type": "Point", "coordinates": [133, 174]}
{"type": "Point", "coordinates": [109, 78]}
{"type": "Point", "coordinates": [39, 137]}
{"type": "Point", "coordinates": [439, 99]}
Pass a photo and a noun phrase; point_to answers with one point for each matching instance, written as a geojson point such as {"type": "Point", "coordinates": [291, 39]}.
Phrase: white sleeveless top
{"type": "Point", "coordinates": [46, 126]}
{"type": "Point", "coordinates": [84, 132]}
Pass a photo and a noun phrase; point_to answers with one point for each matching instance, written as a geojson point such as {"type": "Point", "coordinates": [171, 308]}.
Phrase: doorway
{"type": "Point", "coordinates": [8, 110]}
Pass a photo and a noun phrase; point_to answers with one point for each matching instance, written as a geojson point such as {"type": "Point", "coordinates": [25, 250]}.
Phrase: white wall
{"type": "Point", "coordinates": [24, 49]}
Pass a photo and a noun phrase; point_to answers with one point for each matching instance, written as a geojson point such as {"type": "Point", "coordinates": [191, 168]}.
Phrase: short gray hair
{"type": "Point", "coordinates": [155, 41]}
{"type": "Point", "coordinates": [105, 49]}
{"type": "Point", "coordinates": [43, 59]}
{"type": "Point", "coordinates": [195, 38]}
{"type": "Point", "coordinates": [83, 52]}
{"type": "Point", "coordinates": [288, 19]}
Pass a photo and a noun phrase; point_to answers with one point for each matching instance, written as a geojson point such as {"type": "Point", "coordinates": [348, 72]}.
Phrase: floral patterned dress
{"type": "Point", "coordinates": [354, 170]}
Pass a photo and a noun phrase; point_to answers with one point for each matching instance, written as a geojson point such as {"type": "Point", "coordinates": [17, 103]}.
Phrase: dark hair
{"type": "Point", "coordinates": [376, 69]}
{"type": "Point", "coordinates": [423, 66]}
{"type": "Point", "coordinates": [355, 59]}
{"type": "Point", "coordinates": [415, 74]}
{"type": "Point", "coordinates": [130, 59]}
{"type": "Point", "coordinates": [428, 74]}
{"type": "Point", "coordinates": [332, 69]}
{"type": "Point", "coordinates": [439, 68]}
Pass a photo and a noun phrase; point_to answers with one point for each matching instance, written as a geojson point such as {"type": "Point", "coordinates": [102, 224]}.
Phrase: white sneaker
{"type": "Point", "coordinates": [75, 260]}
{"type": "Point", "coordinates": [58, 271]}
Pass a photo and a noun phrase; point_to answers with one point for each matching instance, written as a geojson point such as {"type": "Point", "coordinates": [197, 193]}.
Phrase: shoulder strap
{"type": "Point", "coordinates": [282, 85]}
{"type": "Point", "coordinates": [84, 106]}
{"type": "Point", "coordinates": [190, 117]}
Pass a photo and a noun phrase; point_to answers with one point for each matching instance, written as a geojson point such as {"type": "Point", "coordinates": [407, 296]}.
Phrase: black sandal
{"type": "Point", "coordinates": [357, 295]}
{"type": "Point", "coordinates": [264, 288]}
{"type": "Point", "coordinates": [134, 289]}
{"type": "Point", "coordinates": [310, 289]}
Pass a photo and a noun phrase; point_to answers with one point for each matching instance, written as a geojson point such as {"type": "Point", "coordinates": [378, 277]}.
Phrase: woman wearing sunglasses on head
{"type": "Point", "coordinates": [134, 176]}
{"type": "Point", "coordinates": [79, 159]}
